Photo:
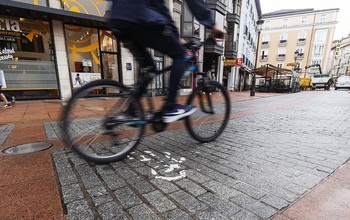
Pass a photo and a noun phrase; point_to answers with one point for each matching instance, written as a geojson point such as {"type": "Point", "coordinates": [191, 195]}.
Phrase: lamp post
{"type": "Point", "coordinates": [296, 54]}
{"type": "Point", "coordinates": [259, 23]}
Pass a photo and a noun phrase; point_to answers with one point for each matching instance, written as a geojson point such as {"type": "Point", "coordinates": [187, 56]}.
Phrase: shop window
{"type": "Point", "coordinates": [99, 8]}
{"type": "Point", "coordinates": [27, 58]}
{"type": "Point", "coordinates": [33, 2]}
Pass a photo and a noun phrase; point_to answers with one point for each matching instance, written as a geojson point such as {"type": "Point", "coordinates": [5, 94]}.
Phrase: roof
{"type": "Point", "coordinates": [271, 71]}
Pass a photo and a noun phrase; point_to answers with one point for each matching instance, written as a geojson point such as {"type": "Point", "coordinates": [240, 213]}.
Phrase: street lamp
{"type": "Point", "coordinates": [259, 23]}
{"type": "Point", "coordinates": [296, 54]}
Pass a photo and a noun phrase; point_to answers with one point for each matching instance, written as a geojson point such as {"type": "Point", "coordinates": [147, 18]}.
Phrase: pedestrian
{"type": "Point", "coordinates": [2, 95]}
{"type": "Point", "coordinates": [213, 77]}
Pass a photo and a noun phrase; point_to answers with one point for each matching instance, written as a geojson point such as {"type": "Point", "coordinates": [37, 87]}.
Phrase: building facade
{"type": "Point", "coordinates": [308, 32]}
{"type": "Point", "coordinates": [49, 48]}
{"type": "Point", "coordinates": [250, 14]}
{"type": "Point", "coordinates": [340, 58]}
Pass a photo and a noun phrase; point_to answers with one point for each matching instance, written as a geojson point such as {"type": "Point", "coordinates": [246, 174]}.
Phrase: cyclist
{"type": "Point", "coordinates": [149, 24]}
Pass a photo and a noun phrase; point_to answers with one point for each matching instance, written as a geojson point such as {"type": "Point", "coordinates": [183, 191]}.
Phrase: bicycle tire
{"type": "Point", "coordinates": [94, 126]}
{"type": "Point", "coordinates": [207, 124]}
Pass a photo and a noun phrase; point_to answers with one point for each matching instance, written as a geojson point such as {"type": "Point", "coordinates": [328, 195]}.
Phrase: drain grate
{"type": "Point", "coordinates": [28, 148]}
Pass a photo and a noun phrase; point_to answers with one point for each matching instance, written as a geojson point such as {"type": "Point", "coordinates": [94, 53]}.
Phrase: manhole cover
{"type": "Point", "coordinates": [28, 148]}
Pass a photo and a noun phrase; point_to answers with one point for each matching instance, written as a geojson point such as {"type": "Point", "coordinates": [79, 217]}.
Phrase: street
{"type": "Point", "coordinates": [275, 152]}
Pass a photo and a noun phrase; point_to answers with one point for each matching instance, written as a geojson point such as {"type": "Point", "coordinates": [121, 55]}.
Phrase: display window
{"type": "Point", "coordinates": [92, 54]}
{"type": "Point", "coordinates": [101, 8]}
{"type": "Point", "coordinates": [27, 58]}
{"type": "Point", "coordinates": [33, 2]}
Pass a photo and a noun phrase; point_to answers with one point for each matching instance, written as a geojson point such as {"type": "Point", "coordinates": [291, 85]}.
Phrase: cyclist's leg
{"type": "Point", "coordinates": [164, 41]}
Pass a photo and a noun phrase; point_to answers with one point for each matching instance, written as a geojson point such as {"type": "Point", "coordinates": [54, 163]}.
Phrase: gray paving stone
{"type": "Point", "coordinates": [224, 207]}
{"type": "Point", "coordinates": [249, 190]}
{"type": "Point", "coordinates": [104, 170]}
{"type": "Point", "coordinates": [91, 180]}
{"type": "Point", "coordinates": [220, 189]}
{"type": "Point", "coordinates": [191, 187]}
{"type": "Point", "coordinates": [165, 185]}
{"type": "Point", "coordinates": [275, 202]}
{"type": "Point", "coordinates": [210, 214]}
{"type": "Point", "coordinates": [159, 201]}
{"type": "Point", "coordinates": [254, 206]}
{"type": "Point", "coordinates": [243, 215]}
{"type": "Point", "coordinates": [177, 214]}
{"type": "Point", "coordinates": [127, 197]}
{"type": "Point", "coordinates": [79, 210]}
{"type": "Point", "coordinates": [67, 178]}
{"type": "Point", "coordinates": [142, 212]}
{"type": "Point", "coordinates": [141, 185]}
{"type": "Point", "coordinates": [111, 210]}
{"type": "Point", "coordinates": [187, 201]}
{"type": "Point", "coordinates": [114, 182]}
{"type": "Point", "coordinates": [71, 192]}
{"type": "Point", "coordinates": [99, 195]}
{"type": "Point", "coordinates": [196, 176]}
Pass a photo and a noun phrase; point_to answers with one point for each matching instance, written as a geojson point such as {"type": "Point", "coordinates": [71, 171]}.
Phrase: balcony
{"type": "Point", "coordinates": [217, 6]}
{"type": "Point", "coordinates": [263, 58]}
{"type": "Point", "coordinates": [265, 44]}
{"type": "Point", "coordinates": [282, 43]}
{"type": "Point", "coordinates": [281, 57]}
{"type": "Point", "coordinates": [300, 56]}
{"type": "Point", "coordinates": [301, 41]}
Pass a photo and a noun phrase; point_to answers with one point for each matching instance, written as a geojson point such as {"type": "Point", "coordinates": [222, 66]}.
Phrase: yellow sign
{"type": "Point", "coordinates": [293, 64]}
{"type": "Point", "coordinates": [229, 62]}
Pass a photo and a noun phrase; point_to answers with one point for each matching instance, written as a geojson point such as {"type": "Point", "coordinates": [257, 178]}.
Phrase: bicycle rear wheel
{"type": "Point", "coordinates": [213, 112]}
{"type": "Point", "coordinates": [103, 129]}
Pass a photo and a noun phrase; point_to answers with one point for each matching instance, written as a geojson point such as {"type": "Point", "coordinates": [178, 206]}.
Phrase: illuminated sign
{"type": "Point", "coordinates": [9, 25]}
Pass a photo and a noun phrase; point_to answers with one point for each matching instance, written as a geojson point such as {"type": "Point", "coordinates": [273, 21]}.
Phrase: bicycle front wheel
{"type": "Point", "coordinates": [213, 112]}
{"type": "Point", "coordinates": [102, 122]}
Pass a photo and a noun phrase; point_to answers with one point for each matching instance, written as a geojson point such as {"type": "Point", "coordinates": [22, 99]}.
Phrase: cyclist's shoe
{"type": "Point", "coordinates": [125, 116]}
{"type": "Point", "coordinates": [178, 112]}
{"type": "Point", "coordinates": [8, 105]}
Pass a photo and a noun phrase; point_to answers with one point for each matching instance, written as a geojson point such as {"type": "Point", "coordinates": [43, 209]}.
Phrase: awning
{"type": "Point", "coordinates": [13, 8]}
{"type": "Point", "coordinates": [270, 70]}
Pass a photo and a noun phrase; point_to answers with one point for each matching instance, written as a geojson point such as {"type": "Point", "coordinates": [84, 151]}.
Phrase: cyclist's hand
{"type": "Point", "coordinates": [182, 41]}
{"type": "Point", "coordinates": [217, 33]}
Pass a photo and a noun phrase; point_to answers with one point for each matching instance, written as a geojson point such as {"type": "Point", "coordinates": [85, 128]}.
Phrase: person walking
{"type": "Point", "coordinates": [2, 95]}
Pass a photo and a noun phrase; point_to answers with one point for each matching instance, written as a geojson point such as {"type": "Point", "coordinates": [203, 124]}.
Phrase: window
{"type": "Point", "coordinates": [101, 9]}
{"type": "Point", "coordinates": [285, 23]}
{"type": "Point", "coordinates": [302, 35]}
{"type": "Point", "coordinates": [283, 36]}
{"type": "Point", "coordinates": [318, 51]}
{"type": "Point", "coordinates": [27, 58]}
{"type": "Point", "coordinates": [38, 2]}
{"type": "Point", "coordinates": [304, 20]}
{"type": "Point", "coordinates": [281, 51]}
{"type": "Point", "coordinates": [190, 26]}
{"type": "Point", "coordinates": [323, 18]}
{"type": "Point", "coordinates": [267, 24]}
{"type": "Point", "coordinates": [266, 38]}
{"type": "Point", "coordinates": [280, 65]}
{"type": "Point", "coordinates": [321, 36]}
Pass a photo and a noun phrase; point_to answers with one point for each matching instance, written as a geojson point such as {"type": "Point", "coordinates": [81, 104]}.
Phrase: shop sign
{"type": "Point", "coordinates": [239, 62]}
{"type": "Point", "coordinates": [6, 54]}
{"type": "Point", "coordinates": [9, 25]}
{"type": "Point", "coordinates": [229, 62]}
{"type": "Point", "coordinates": [128, 66]}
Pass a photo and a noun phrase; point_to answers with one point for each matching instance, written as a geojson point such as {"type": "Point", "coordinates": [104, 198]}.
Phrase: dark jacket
{"type": "Point", "coordinates": [156, 13]}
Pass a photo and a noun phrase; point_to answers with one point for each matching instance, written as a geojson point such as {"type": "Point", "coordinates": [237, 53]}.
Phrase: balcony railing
{"type": "Point", "coordinates": [300, 56]}
{"type": "Point", "coordinates": [265, 44]}
{"type": "Point", "coordinates": [301, 41]}
{"type": "Point", "coordinates": [283, 43]}
{"type": "Point", "coordinates": [263, 58]}
{"type": "Point", "coordinates": [281, 57]}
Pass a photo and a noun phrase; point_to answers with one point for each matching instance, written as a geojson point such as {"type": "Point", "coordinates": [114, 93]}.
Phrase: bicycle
{"type": "Point", "coordinates": [97, 128]}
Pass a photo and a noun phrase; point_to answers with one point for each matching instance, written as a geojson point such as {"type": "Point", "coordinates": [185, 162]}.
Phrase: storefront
{"type": "Point", "coordinates": [56, 46]}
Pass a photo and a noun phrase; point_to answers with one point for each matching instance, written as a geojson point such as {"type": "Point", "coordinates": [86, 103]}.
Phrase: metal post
{"type": "Point", "coordinates": [252, 90]}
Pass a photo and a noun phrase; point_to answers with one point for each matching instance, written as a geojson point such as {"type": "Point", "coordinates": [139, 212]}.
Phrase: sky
{"type": "Point", "coordinates": [343, 26]}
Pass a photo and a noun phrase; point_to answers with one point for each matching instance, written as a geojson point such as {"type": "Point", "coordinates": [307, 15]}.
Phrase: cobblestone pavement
{"type": "Point", "coordinates": [262, 164]}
